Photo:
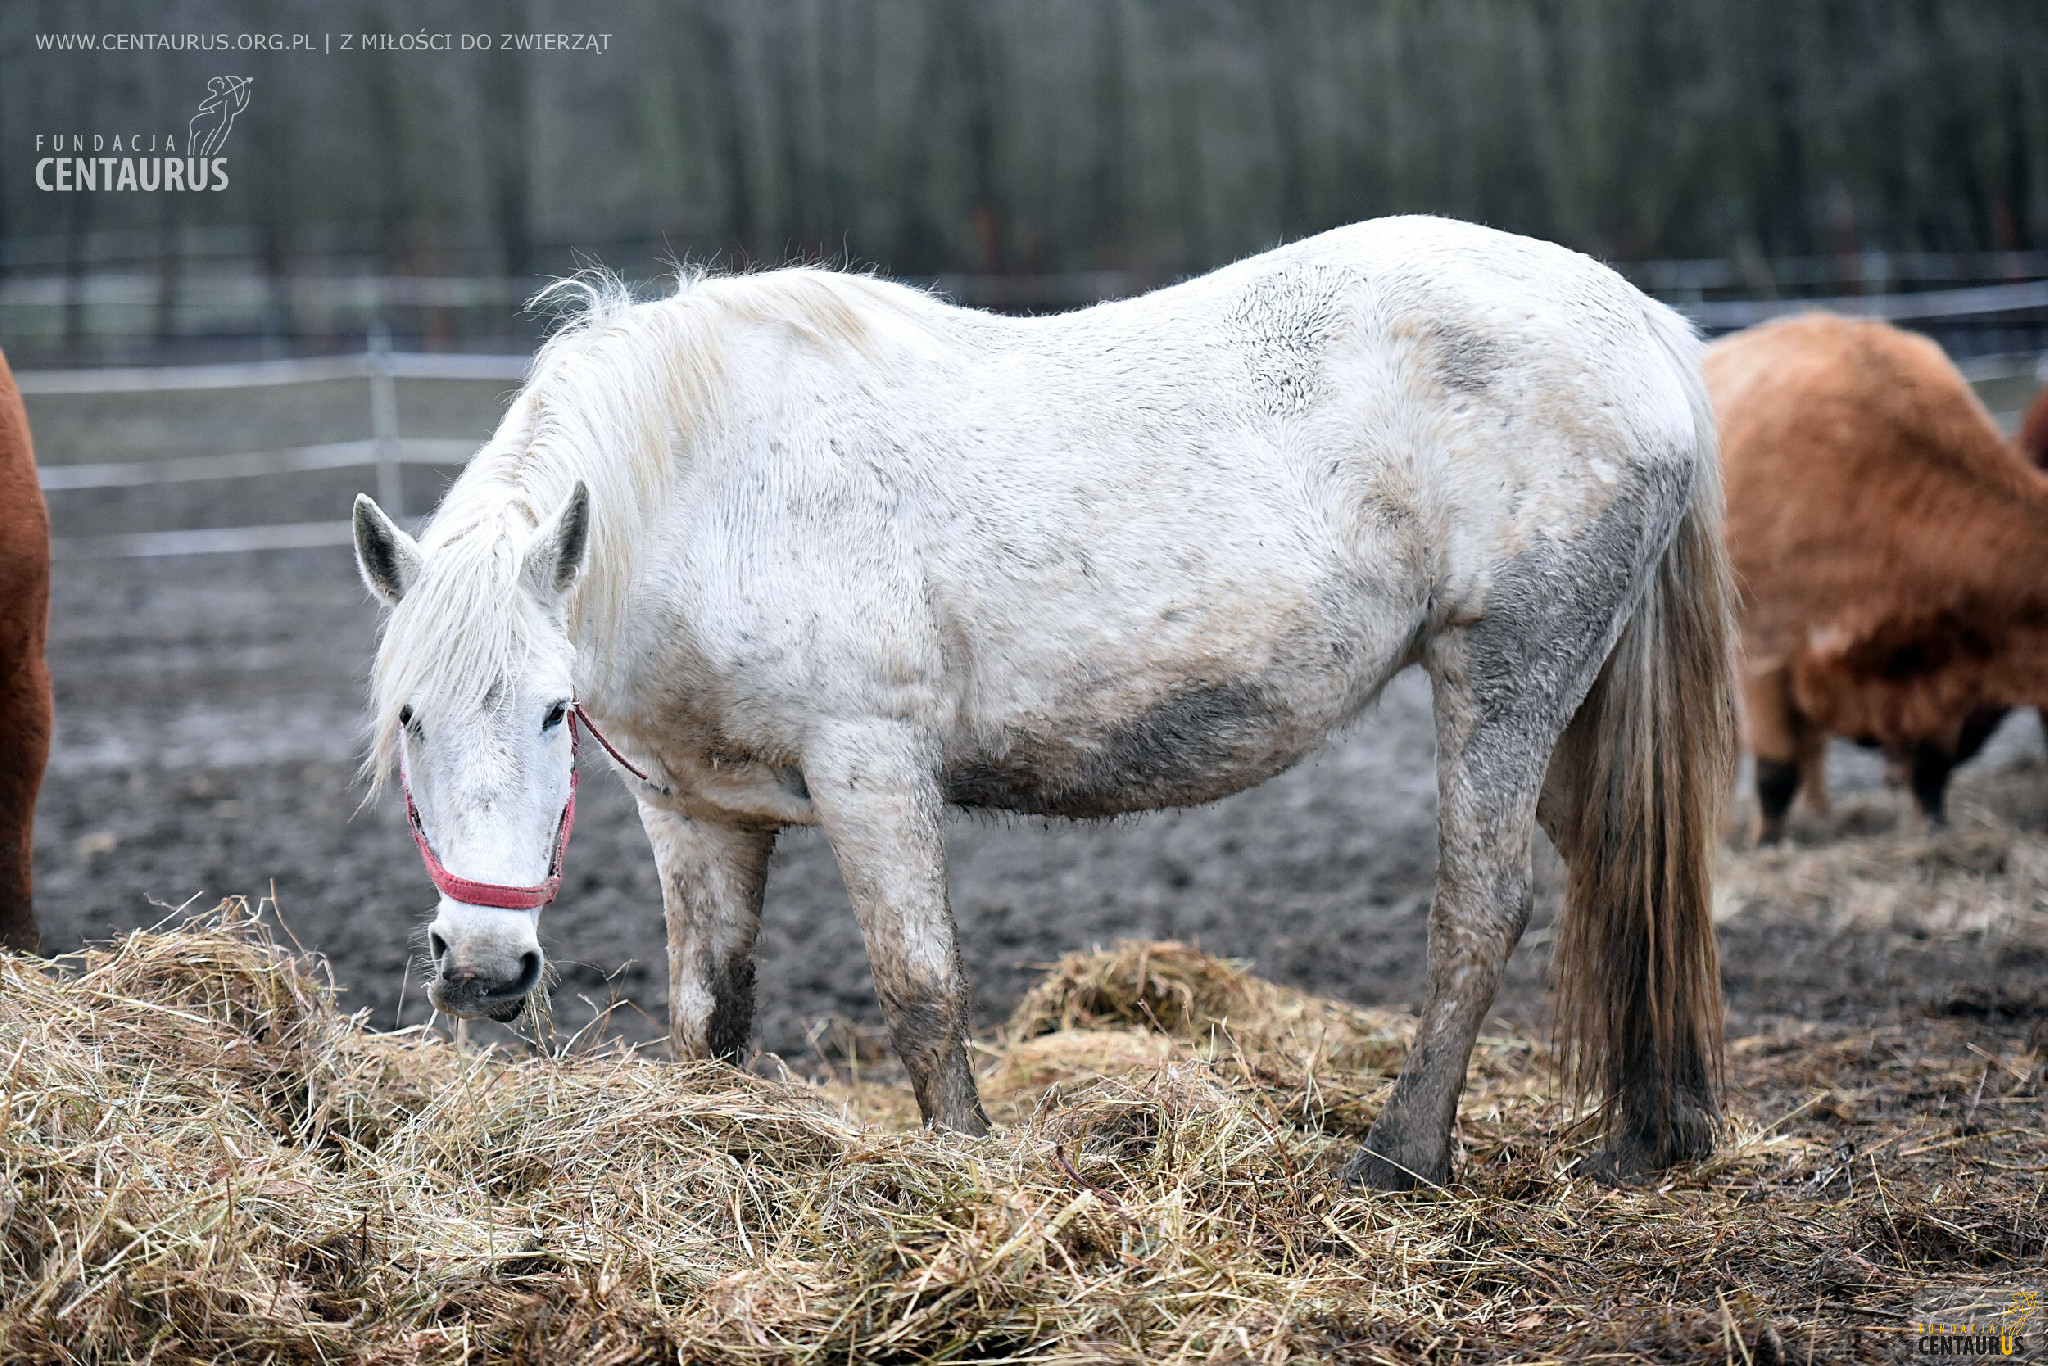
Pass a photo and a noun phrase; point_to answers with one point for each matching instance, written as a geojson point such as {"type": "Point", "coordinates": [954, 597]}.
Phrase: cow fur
{"type": "Point", "coordinates": [24, 675]}
{"type": "Point", "coordinates": [1887, 544]}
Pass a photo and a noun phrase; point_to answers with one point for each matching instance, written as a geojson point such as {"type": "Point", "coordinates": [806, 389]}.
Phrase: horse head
{"type": "Point", "coordinates": [473, 699]}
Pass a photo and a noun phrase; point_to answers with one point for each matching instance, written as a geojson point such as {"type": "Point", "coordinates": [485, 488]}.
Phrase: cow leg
{"type": "Point", "coordinates": [1931, 763]}
{"type": "Point", "coordinates": [1813, 766]}
{"type": "Point", "coordinates": [712, 878]}
{"type": "Point", "coordinates": [1979, 725]}
{"type": "Point", "coordinates": [875, 788]}
{"type": "Point", "coordinates": [1775, 728]}
{"type": "Point", "coordinates": [1493, 749]}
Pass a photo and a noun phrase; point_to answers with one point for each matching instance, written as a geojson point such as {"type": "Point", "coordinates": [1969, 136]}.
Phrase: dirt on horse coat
{"type": "Point", "coordinates": [818, 549]}
{"type": "Point", "coordinates": [1887, 543]}
{"type": "Point", "coordinates": [24, 676]}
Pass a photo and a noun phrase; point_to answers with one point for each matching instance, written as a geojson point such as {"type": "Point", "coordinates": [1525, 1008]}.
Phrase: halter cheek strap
{"type": "Point", "coordinates": [502, 896]}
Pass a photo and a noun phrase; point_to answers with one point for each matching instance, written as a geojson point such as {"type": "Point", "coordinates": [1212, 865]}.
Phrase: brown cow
{"type": "Point", "coordinates": [1982, 722]}
{"type": "Point", "coordinates": [1889, 546]}
{"type": "Point", "coordinates": [25, 711]}
{"type": "Point", "coordinates": [2032, 443]}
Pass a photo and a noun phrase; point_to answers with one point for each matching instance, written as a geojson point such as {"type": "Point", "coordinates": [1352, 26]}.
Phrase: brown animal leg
{"type": "Point", "coordinates": [712, 879]}
{"type": "Point", "coordinates": [1813, 767]}
{"type": "Point", "coordinates": [25, 702]}
{"type": "Point", "coordinates": [1776, 731]}
{"type": "Point", "coordinates": [1979, 725]}
{"type": "Point", "coordinates": [1931, 765]}
{"type": "Point", "coordinates": [874, 787]}
{"type": "Point", "coordinates": [25, 708]}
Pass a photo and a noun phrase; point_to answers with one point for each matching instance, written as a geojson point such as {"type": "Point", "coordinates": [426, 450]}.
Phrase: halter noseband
{"type": "Point", "coordinates": [497, 894]}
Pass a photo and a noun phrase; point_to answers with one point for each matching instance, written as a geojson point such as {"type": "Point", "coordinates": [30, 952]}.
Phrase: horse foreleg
{"type": "Point", "coordinates": [874, 788]}
{"type": "Point", "coordinates": [712, 877]}
{"type": "Point", "coordinates": [1489, 771]}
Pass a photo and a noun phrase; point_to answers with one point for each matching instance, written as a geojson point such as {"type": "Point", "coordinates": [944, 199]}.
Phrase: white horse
{"type": "Point", "coordinates": [820, 549]}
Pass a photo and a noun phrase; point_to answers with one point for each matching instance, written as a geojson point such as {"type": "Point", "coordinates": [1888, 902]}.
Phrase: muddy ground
{"type": "Point", "coordinates": [208, 730]}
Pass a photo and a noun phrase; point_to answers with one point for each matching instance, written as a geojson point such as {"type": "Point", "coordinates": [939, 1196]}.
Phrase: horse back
{"type": "Point", "coordinates": [1153, 552]}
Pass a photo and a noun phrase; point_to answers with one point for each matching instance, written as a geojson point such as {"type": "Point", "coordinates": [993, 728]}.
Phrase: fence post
{"type": "Point", "coordinates": [384, 425]}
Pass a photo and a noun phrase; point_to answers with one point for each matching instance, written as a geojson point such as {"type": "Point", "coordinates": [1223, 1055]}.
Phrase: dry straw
{"type": "Point", "coordinates": [201, 1159]}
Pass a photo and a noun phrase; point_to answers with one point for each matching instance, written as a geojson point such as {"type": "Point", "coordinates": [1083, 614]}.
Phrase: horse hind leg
{"type": "Point", "coordinates": [1491, 755]}
{"type": "Point", "coordinates": [1503, 689]}
{"type": "Point", "coordinates": [1616, 726]}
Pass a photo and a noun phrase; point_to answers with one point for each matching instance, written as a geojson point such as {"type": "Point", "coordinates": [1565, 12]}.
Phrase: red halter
{"type": "Point", "coordinates": [498, 894]}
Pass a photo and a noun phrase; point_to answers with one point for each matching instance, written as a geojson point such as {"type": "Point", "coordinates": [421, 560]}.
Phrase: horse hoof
{"type": "Point", "coordinates": [1368, 1170]}
{"type": "Point", "coordinates": [1614, 1169]}
{"type": "Point", "coordinates": [972, 1124]}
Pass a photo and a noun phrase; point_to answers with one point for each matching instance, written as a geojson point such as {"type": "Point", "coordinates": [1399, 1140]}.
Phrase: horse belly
{"type": "Point", "coordinates": [1144, 743]}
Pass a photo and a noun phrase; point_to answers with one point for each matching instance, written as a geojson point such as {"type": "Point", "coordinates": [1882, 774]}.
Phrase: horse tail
{"type": "Point", "coordinates": [1635, 796]}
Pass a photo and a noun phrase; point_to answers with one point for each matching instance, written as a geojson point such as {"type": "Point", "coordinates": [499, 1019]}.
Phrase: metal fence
{"type": "Point", "coordinates": [386, 450]}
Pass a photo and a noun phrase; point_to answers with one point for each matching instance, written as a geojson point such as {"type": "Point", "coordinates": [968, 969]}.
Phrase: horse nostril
{"type": "Point", "coordinates": [529, 970]}
{"type": "Point", "coordinates": [438, 945]}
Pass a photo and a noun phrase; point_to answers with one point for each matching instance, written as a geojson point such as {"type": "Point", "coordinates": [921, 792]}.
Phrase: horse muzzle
{"type": "Point", "coordinates": [487, 980]}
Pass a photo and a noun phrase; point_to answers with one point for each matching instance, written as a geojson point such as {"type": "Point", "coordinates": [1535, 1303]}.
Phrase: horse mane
{"type": "Point", "coordinates": [617, 397]}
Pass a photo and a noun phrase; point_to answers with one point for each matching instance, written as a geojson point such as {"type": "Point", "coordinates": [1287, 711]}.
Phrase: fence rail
{"type": "Point", "coordinates": [1924, 306]}
{"type": "Point", "coordinates": [332, 455]}
{"type": "Point", "coordinates": [204, 541]}
{"type": "Point", "coordinates": [254, 374]}
{"type": "Point", "coordinates": [385, 450]}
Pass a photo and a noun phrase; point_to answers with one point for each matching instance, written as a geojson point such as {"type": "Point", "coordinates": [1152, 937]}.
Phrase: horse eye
{"type": "Point", "coordinates": [555, 715]}
{"type": "Point", "coordinates": [405, 715]}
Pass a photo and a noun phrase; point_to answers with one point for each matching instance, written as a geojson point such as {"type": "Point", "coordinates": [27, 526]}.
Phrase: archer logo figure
{"type": "Point", "coordinates": [226, 96]}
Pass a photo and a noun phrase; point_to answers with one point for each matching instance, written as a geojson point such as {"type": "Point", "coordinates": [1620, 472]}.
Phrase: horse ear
{"type": "Point", "coordinates": [388, 559]}
{"type": "Point", "coordinates": [554, 558]}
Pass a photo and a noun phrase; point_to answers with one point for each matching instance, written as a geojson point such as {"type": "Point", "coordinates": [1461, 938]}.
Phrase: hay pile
{"type": "Point", "coordinates": [201, 1159]}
